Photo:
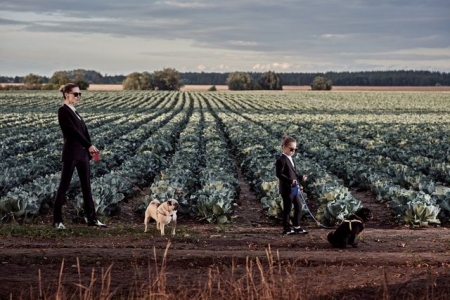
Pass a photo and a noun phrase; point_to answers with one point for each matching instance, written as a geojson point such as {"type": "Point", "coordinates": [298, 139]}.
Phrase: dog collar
{"type": "Point", "coordinates": [169, 215]}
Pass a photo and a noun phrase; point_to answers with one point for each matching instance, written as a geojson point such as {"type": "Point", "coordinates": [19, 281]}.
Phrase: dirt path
{"type": "Point", "coordinates": [391, 260]}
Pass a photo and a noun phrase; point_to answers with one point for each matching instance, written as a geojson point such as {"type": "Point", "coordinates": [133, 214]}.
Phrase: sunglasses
{"type": "Point", "coordinates": [292, 149]}
{"type": "Point", "coordinates": [76, 94]}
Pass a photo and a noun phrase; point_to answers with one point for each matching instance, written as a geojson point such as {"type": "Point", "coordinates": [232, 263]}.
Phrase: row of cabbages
{"type": "Point", "coordinates": [136, 161]}
{"type": "Point", "coordinates": [201, 175]}
{"type": "Point", "coordinates": [410, 195]}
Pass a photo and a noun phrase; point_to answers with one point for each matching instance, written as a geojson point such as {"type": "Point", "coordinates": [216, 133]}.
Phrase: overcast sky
{"type": "Point", "coordinates": [120, 37]}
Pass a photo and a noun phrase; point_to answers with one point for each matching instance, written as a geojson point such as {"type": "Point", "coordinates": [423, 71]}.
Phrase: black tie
{"type": "Point", "coordinates": [78, 114]}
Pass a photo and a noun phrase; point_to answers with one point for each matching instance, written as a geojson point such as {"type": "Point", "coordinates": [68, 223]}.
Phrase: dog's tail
{"type": "Point", "coordinates": [154, 203]}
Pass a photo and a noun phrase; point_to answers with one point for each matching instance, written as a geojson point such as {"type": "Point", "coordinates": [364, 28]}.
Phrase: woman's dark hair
{"type": "Point", "coordinates": [287, 140]}
{"type": "Point", "coordinates": [67, 88]}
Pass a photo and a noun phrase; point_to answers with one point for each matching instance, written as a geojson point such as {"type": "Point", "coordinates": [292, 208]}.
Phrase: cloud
{"type": "Point", "coordinates": [184, 4]}
{"type": "Point", "coordinates": [319, 35]}
{"type": "Point", "coordinates": [201, 67]}
{"type": "Point", "coordinates": [271, 66]}
{"type": "Point", "coordinates": [334, 36]}
{"type": "Point", "coordinates": [242, 43]}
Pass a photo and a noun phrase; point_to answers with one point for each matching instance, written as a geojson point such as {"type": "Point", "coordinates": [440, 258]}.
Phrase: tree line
{"type": "Point", "coordinates": [171, 79]}
{"type": "Point", "coordinates": [167, 79]}
{"type": "Point", "coordinates": [365, 78]}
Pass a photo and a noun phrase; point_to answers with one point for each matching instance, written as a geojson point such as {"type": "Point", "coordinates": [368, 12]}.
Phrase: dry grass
{"type": "Point", "coordinates": [261, 279]}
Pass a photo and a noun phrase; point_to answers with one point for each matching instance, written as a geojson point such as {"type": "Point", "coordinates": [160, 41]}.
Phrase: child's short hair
{"type": "Point", "coordinates": [287, 140]}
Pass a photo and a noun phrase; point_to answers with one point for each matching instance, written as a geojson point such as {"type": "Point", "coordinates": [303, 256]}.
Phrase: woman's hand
{"type": "Point", "coordinates": [93, 150]}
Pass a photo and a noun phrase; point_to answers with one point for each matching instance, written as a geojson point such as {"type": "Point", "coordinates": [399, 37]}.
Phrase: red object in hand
{"type": "Point", "coordinates": [96, 157]}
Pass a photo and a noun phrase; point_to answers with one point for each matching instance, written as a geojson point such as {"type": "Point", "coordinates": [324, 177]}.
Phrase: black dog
{"type": "Point", "coordinates": [349, 229]}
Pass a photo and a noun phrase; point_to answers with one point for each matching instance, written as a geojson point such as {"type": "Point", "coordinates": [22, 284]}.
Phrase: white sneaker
{"type": "Point", "coordinates": [97, 223]}
{"type": "Point", "coordinates": [300, 230]}
{"type": "Point", "coordinates": [59, 226]}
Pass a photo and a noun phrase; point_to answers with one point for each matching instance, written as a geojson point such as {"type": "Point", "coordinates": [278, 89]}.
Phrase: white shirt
{"type": "Point", "coordinates": [290, 159]}
{"type": "Point", "coordinates": [74, 110]}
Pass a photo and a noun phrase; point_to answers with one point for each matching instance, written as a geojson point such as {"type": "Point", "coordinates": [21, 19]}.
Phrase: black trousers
{"type": "Point", "coordinates": [288, 201]}
{"type": "Point", "coordinates": [83, 170]}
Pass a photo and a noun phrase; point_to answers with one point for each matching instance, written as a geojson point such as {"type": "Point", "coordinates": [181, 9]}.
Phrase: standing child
{"type": "Point", "coordinates": [288, 179]}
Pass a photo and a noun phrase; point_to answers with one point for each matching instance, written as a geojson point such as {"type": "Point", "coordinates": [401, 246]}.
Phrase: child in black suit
{"type": "Point", "coordinates": [287, 179]}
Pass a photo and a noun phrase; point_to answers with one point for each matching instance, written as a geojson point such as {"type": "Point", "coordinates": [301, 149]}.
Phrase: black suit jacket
{"type": "Point", "coordinates": [285, 173]}
{"type": "Point", "coordinates": [76, 136]}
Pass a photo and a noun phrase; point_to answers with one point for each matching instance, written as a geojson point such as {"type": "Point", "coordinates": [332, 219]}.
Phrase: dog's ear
{"type": "Point", "coordinates": [169, 202]}
{"type": "Point", "coordinates": [364, 213]}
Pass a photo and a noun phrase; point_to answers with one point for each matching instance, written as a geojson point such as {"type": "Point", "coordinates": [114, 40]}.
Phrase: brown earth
{"type": "Point", "coordinates": [391, 262]}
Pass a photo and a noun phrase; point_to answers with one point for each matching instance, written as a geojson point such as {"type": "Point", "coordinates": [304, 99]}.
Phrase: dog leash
{"type": "Point", "coordinates": [303, 201]}
{"type": "Point", "coordinates": [131, 182]}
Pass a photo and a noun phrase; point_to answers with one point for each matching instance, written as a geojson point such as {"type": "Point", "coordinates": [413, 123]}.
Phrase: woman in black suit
{"type": "Point", "coordinates": [288, 178]}
{"type": "Point", "coordinates": [77, 152]}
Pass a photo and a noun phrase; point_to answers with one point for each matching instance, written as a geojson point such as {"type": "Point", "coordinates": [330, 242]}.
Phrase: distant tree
{"type": "Point", "coordinates": [80, 80]}
{"type": "Point", "coordinates": [62, 77]}
{"type": "Point", "coordinates": [32, 80]}
{"type": "Point", "coordinates": [212, 89]}
{"type": "Point", "coordinates": [5, 79]}
{"type": "Point", "coordinates": [321, 84]}
{"type": "Point", "coordinates": [240, 81]}
{"type": "Point", "coordinates": [59, 78]}
{"type": "Point", "coordinates": [86, 75]}
{"type": "Point", "coordinates": [138, 81]}
{"type": "Point", "coordinates": [270, 81]}
{"type": "Point", "coordinates": [114, 79]}
{"type": "Point", "coordinates": [94, 77]}
{"type": "Point", "coordinates": [203, 78]}
{"type": "Point", "coordinates": [82, 84]}
{"type": "Point", "coordinates": [167, 80]}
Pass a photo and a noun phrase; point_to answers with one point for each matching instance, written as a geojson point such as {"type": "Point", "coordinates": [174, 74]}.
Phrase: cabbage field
{"type": "Point", "coordinates": [190, 145]}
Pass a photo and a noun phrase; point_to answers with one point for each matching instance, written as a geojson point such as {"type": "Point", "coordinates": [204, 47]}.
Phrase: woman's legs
{"type": "Point", "coordinates": [84, 169]}
{"type": "Point", "coordinates": [66, 177]}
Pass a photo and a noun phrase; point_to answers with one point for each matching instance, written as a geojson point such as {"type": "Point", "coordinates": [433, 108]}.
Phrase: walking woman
{"type": "Point", "coordinates": [77, 152]}
{"type": "Point", "coordinates": [287, 179]}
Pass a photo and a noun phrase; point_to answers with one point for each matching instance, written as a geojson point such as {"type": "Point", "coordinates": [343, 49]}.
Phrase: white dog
{"type": "Point", "coordinates": [163, 213]}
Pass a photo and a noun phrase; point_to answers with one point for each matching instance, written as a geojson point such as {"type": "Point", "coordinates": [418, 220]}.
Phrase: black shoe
{"type": "Point", "coordinates": [288, 231]}
{"type": "Point", "coordinates": [300, 230]}
{"type": "Point", "coordinates": [97, 223]}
